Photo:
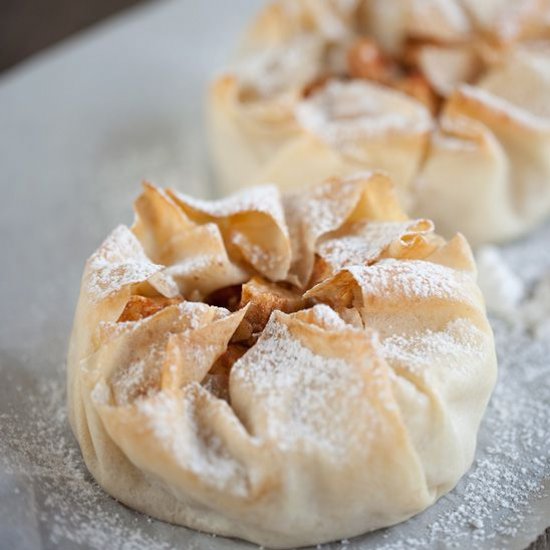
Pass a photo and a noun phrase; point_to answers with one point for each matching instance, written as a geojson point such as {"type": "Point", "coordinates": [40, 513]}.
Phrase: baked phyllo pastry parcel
{"type": "Point", "coordinates": [450, 97]}
{"type": "Point", "coordinates": [288, 369]}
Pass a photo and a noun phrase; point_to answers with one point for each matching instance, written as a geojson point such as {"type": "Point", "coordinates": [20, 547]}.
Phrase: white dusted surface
{"type": "Point", "coordinates": [82, 126]}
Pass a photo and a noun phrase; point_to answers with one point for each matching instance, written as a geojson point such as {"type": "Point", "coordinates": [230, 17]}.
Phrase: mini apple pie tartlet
{"type": "Point", "coordinates": [288, 369]}
{"type": "Point", "coordinates": [450, 97]}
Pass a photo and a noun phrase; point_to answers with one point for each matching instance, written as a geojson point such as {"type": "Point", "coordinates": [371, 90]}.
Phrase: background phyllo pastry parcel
{"type": "Point", "coordinates": [450, 97]}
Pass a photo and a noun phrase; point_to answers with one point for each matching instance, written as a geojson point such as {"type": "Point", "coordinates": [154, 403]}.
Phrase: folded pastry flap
{"type": "Point", "coordinates": [305, 160]}
{"type": "Point", "coordinates": [280, 73]}
{"type": "Point", "coordinates": [333, 19]}
{"type": "Point", "coordinates": [363, 243]}
{"type": "Point", "coordinates": [112, 274]}
{"type": "Point", "coordinates": [130, 359]}
{"type": "Point", "coordinates": [374, 128]}
{"type": "Point", "coordinates": [446, 67]}
{"type": "Point", "coordinates": [263, 244]}
{"type": "Point", "coordinates": [518, 140]}
{"type": "Point", "coordinates": [446, 361]}
{"type": "Point", "coordinates": [322, 209]}
{"type": "Point", "coordinates": [442, 380]}
{"type": "Point", "coordinates": [140, 306]}
{"type": "Point", "coordinates": [415, 291]}
{"type": "Point", "coordinates": [367, 242]}
{"type": "Point", "coordinates": [200, 263]}
{"type": "Point", "coordinates": [351, 316]}
{"type": "Point", "coordinates": [455, 254]}
{"type": "Point", "coordinates": [191, 354]}
{"type": "Point", "coordinates": [492, 167]}
{"type": "Point", "coordinates": [283, 20]}
{"type": "Point", "coordinates": [378, 200]}
{"type": "Point", "coordinates": [251, 223]}
{"type": "Point", "coordinates": [463, 138]}
{"type": "Point", "coordinates": [438, 21]}
{"type": "Point", "coordinates": [523, 80]}
{"type": "Point", "coordinates": [164, 422]}
{"type": "Point", "coordinates": [242, 139]}
{"type": "Point", "coordinates": [416, 332]}
{"type": "Point", "coordinates": [352, 116]}
{"type": "Point", "coordinates": [158, 221]}
{"type": "Point", "coordinates": [263, 124]}
{"type": "Point", "coordinates": [414, 244]}
{"type": "Point", "coordinates": [340, 291]}
{"type": "Point", "coordinates": [522, 131]}
{"type": "Point", "coordinates": [500, 116]}
{"type": "Point", "coordinates": [387, 26]}
{"type": "Point", "coordinates": [325, 374]}
{"type": "Point", "coordinates": [118, 263]}
{"type": "Point", "coordinates": [327, 335]}
{"type": "Point", "coordinates": [439, 363]}
{"type": "Point", "coordinates": [508, 22]}
{"type": "Point", "coordinates": [194, 444]}
{"type": "Point", "coordinates": [322, 317]}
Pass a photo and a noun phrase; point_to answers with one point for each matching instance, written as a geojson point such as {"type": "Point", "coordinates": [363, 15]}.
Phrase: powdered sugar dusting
{"type": "Point", "coordinates": [285, 67]}
{"type": "Point", "coordinates": [261, 237]}
{"type": "Point", "coordinates": [344, 112]}
{"type": "Point", "coordinates": [144, 350]}
{"type": "Point", "coordinates": [277, 69]}
{"type": "Point", "coordinates": [293, 388]}
{"type": "Point", "coordinates": [173, 420]}
{"type": "Point", "coordinates": [508, 297]}
{"type": "Point", "coordinates": [120, 261]}
{"type": "Point", "coordinates": [364, 242]}
{"type": "Point", "coordinates": [318, 211]}
{"type": "Point", "coordinates": [502, 289]}
{"type": "Point", "coordinates": [458, 346]}
{"type": "Point", "coordinates": [268, 260]}
{"type": "Point", "coordinates": [193, 266]}
{"type": "Point", "coordinates": [535, 311]}
{"type": "Point", "coordinates": [504, 109]}
{"type": "Point", "coordinates": [140, 377]}
{"type": "Point", "coordinates": [450, 142]}
{"type": "Point", "coordinates": [326, 317]}
{"type": "Point", "coordinates": [312, 213]}
{"type": "Point", "coordinates": [191, 315]}
{"type": "Point", "coordinates": [411, 280]}
{"type": "Point", "coordinates": [40, 457]}
{"type": "Point", "coordinates": [263, 198]}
